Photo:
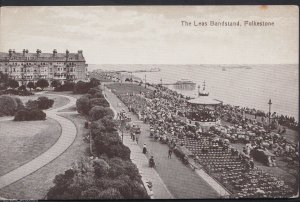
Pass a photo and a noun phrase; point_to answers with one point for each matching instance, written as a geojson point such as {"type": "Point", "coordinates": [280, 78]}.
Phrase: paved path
{"type": "Point", "coordinates": [65, 140]}
{"type": "Point", "coordinates": [159, 189]}
{"type": "Point", "coordinates": [179, 179]}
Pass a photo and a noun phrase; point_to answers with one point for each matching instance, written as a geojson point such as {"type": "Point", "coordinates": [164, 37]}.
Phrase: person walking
{"type": "Point", "coordinates": [131, 135]}
{"type": "Point", "coordinates": [144, 149]}
{"type": "Point", "coordinates": [170, 153]}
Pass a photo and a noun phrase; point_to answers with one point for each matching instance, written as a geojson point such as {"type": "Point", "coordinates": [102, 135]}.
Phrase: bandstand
{"type": "Point", "coordinates": [202, 109]}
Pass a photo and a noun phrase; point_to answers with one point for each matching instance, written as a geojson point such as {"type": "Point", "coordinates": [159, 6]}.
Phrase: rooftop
{"type": "Point", "coordinates": [11, 55]}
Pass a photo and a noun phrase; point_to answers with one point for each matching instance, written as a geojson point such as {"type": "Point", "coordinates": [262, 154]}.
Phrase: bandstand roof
{"type": "Point", "coordinates": [204, 100]}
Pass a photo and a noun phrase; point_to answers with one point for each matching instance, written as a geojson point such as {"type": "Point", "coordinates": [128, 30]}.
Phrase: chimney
{"type": "Point", "coordinates": [10, 52]}
{"type": "Point", "coordinates": [67, 53]}
{"type": "Point", "coordinates": [54, 52]}
{"type": "Point", "coordinates": [38, 52]}
{"type": "Point", "coordinates": [24, 51]}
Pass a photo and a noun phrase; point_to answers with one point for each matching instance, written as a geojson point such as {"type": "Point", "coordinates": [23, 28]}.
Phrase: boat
{"type": "Point", "coordinates": [203, 92]}
{"type": "Point", "coordinates": [185, 84]}
{"type": "Point", "coordinates": [155, 69]}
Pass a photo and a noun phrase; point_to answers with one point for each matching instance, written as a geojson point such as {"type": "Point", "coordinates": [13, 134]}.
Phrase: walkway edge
{"type": "Point", "coordinates": [149, 192]}
{"type": "Point", "coordinates": [66, 139]}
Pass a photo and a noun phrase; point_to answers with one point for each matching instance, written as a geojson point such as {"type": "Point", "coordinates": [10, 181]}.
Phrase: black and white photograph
{"type": "Point", "coordinates": [149, 102]}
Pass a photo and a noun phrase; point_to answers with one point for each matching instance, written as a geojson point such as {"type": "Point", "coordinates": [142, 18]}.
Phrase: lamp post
{"type": "Point", "coordinates": [270, 103]}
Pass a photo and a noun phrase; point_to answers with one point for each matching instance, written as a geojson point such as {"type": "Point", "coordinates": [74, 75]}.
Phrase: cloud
{"type": "Point", "coordinates": [154, 34]}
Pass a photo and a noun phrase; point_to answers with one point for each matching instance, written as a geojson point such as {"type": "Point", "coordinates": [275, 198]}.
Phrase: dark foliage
{"type": "Point", "coordinates": [67, 86]}
{"type": "Point", "coordinates": [13, 83]}
{"type": "Point", "coordinates": [30, 85]}
{"type": "Point", "coordinates": [29, 115]}
{"type": "Point", "coordinates": [42, 83]}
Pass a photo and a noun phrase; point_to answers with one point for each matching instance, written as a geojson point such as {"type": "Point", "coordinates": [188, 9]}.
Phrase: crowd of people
{"type": "Point", "coordinates": [165, 110]}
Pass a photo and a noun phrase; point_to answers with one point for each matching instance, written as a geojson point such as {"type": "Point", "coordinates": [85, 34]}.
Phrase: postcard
{"type": "Point", "coordinates": [149, 102]}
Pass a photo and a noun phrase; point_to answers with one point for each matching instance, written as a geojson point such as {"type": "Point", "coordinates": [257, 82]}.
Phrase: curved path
{"type": "Point", "coordinates": [65, 140]}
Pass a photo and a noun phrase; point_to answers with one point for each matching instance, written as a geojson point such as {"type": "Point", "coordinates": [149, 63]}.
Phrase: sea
{"type": "Point", "coordinates": [241, 85]}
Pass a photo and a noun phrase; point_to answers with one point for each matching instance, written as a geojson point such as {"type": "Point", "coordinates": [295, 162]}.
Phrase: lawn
{"type": "Point", "coordinates": [127, 88]}
{"type": "Point", "coordinates": [58, 100]}
{"type": "Point", "coordinates": [68, 93]}
{"type": "Point", "coordinates": [36, 185]}
{"type": "Point", "coordinates": [23, 141]}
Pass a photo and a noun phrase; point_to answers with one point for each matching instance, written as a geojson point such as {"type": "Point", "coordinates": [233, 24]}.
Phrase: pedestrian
{"type": "Point", "coordinates": [170, 153]}
{"type": "Point", "coordinates": [137, 139]}
{"type": "Point", "coordinates": [133, 137]}
{"type": "Point", "coordinates": [144, 149]}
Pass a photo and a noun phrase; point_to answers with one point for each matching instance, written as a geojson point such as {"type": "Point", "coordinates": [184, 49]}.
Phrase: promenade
{"type": "Point", "coordinates": [66, 139]}
{"type": "Point", "coordinates": [181, 181]}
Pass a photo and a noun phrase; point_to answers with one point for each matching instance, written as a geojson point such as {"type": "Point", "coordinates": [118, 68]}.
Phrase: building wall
{"type": "Point", "coordinates": [25, 66]}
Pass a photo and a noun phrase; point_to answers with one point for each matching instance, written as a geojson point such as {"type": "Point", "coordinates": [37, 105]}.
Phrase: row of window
{"type": "Point", "coordinates": [41, 70]}
{"type": "Point", "coordinates": [42, 63]}
{"type": "Point", "coordinates": [26, 58]}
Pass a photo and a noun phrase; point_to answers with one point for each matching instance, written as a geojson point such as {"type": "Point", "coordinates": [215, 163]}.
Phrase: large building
{"type": "Point", "coordinates": [25, 66]}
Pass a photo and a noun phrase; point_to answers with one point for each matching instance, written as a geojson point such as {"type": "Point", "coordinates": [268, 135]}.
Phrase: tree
{"type": "Point", "coordinates": [94, 82]}
{"type": "Point", "coordinates": [42, 83]}
{"type": "Point", "coordinates": [44, 102]}
{"type": "Point", "coordinates": [3, 81]}
{"type": "Point", "coordinates": [81, 87]}
{"type": "Point", "coordinates": [98, 112]}
{"type": "Point", "coordinates": [55, 83]}
{"type": "Point", "coordinates": [110, 193]}
{"type": "Point", "coordinates": [13, 83]}
{"type": "Point", "coordinates": [9, 105]}
{"type": "Point", "coordinates": [30, 85]}
{"type": "Point", "coordinates": [22, 88]}
{"type": "Point", "coordinates": [99, 102]}
{"type": "Point", "coordinates": [83, 105]}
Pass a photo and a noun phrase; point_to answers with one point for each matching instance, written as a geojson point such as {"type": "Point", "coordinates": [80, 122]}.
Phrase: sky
{"type": "Point", "coordinates": [154, 34]}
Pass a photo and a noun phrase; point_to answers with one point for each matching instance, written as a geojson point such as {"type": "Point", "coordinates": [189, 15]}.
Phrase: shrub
{"type": "Point", "coordinates": [83, 105]}
{"type": "Point", "coordinates": [30, 85]}
{"type": "Point", "coordinates": [22, 88]}
{"type": "Point", "coordinates": [91, 193]}
{"type": "Point", "coordinates": [17, 92]}
{"type": "Point", "coordinates": [67, 86]}
{"type": "Point", "coordinates": [99, 102]}
{"type": "Point", "coordinates": [93, 91]}
{"type": "Point", "coordinates": [94, 82]}
{"type": "Point", "coordinates": [101, 168]}
{"type": "Point", "coordinates": [81, 87]}
{"type": "Point", "coordinates": [99, 94]}
{"type": "Point", "coordinates": [98, 112]}
{"type": "Point", "coordinates": [42, 83]}
{"type": "Point", "coordinates": [40, 103]}
{"type": "Point", "coordinates": [44, 102]}
{"type": "Point", "coordinates": [13, 83]}
{"type": "Point", "coordinates": [110, 193]}
{"type": "Point", "coordinates": [3, 81]}
{"type": "Point", "coordinates": [9, 105]}
{"type": "Point", "coordinates": [55, 83]}
{"type": "Point", "coordinates": [29, 115]}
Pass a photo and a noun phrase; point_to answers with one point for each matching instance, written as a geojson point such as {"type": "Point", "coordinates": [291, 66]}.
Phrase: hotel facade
{"type": "Point", "coordinates": [25, 66]}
